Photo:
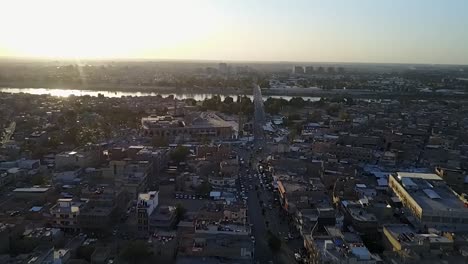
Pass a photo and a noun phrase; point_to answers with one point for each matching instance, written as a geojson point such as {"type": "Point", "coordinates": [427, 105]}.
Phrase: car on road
{"type": "Point", "coordinates": [298, 257]}
{"type": "Point", "coordinates": [14, 213]}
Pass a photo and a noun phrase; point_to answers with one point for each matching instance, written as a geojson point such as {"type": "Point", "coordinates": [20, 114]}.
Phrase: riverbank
{"type": "Point", "coordinates": [202, 93]}
{"type": "Point", "coordinates": [128, 88]}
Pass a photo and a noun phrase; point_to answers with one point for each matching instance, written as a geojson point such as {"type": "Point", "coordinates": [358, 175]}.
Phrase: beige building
{"type": "Point", "coordinates": [229, 167]}
{"type": "Point", "coordinates": [133, 176]}
{"type": "Point", "coordinates": [82, 158]}
{"type": "Point", "coordinates": [401, 237]}
{"type": "Point", "coordinates": [236, 214]}
{"type": "Point", "coordinates": [206, 126]}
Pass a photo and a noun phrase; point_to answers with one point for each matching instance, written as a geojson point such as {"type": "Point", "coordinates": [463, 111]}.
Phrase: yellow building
{"type": "Point", "coordinates": [430, 200]}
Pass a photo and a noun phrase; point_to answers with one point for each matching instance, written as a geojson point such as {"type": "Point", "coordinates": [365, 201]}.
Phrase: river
{"type": "Point", "coordinates": [106, 93]}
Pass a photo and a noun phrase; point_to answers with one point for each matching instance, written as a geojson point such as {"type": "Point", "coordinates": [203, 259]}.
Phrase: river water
{"type": "Point", "coordinates": [68, 92]}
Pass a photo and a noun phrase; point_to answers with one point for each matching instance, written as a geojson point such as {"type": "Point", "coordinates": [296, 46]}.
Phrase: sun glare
{"type": "Point", "coordinates": [97, 29]}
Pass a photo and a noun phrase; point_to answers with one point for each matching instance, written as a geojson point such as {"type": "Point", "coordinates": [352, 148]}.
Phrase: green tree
{"type": "Point", "coordinates": [53, 141]}
{"type": "Point", "coordinates": [158, 141]}
{"type": "Point", "coordinates": [292, 135]}
{"type": "Point", "coordinates": [136, 252]}
{"type": "Point", "coordinates": [274, 105]}
{"type": "Point", "coordinates": [344, 115]}
{"type": "Point", "coordinates": [179, 154]}
{"type": "Point", "coordinates": [294, 117]}
{"type": "Point", "coordinates": [70, 116]}
{"type": "Point", "coordinates": [191, 101]}
{"type": "Point", "coordinates": [297, 102]}
{"type": "Point", "coordinates": [274, 242]}
{"type": "Point", "coordinates": [228, 100]}
{"type": "Point", "coordinates": [333, 108]}
{"type": "Point", "coordinates": [85, 252]}
{"type": "Point", "coordinates": [265, 83]}
{"type": "Point", "coordinates": [21, 246]}
{"type": "Point", "coordinates": [204, 188]}
{"type": "Point", "coordinates": [37, 179]}
{"type": "Point", "coordinates": [315, 116]}
{"type": "Point", "coordinates": [180, 211]}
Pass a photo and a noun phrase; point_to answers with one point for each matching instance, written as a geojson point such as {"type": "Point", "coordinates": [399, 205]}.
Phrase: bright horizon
{"type": "Point", "coordinates": [417, 31]}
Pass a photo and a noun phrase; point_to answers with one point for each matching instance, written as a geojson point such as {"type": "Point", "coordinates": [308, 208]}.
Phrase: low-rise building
{"type": "Point", "coordinates": [81, 158]}
{"type": "Point", "coordinates": [457, 179]}
{"type": "Point", "coordinates": [327, 249]}
{"type": "Point", "coordinates": [42, 236]}
{"type": "Point", "coordinates": [404, 244]}
{"type": "Point", "coordinates": [430, 200]}
{"type": "Point", "coordinates": [133, 176]}
{"type": "Point", "coordinates": [206, 126]}
{"type": "Point", "coordinates": [65, 214]}
{"type": "Point", "coordinates": [357, 216]}
{"type": "Point", "coordinates": [402, 237]}
{"type": "Point", "coordinates": [105, 205]}
{"type": "Point", "coordinates": [152, 216]}
{"type": "Point", "coordinates": [235, 213]}
{"type": "Point", "coordinates": [215, 248]}
{"type": "Point", "coordinates": [229, 167]}
{"type": "Point", "coordinates": [32, 193]}
{"type": "Point", "coordinates": [220, 182]}
{"type": "Point", "coordinates": [295, 195]}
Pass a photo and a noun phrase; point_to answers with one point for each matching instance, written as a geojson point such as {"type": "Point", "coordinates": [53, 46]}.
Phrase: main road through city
{"type": "Point", "coordinates": [259, 117]}
{"type": "Point", "coordinates": [263, 253]}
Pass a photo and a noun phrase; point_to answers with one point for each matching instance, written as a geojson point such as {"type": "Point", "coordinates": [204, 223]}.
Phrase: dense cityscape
{"type": "Point", "coordinates": [214, 162]}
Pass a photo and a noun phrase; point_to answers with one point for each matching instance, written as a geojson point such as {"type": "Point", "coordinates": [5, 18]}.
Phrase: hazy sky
{"type": "Point", "coordinates": [413, 31]}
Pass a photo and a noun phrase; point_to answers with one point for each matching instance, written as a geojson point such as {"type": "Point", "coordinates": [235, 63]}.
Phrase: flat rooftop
{"type": "Point", "coordinates": [332, 250]}
{"type": "Point", "coordinates": [210, 119]}
{"type": "Point", "coordinates": [291, 186]}
{"type": "Point", "coordinates": [147, 196]}
{"type": "Point", "coordinates": [31, 190]}
{"type": "Point", "coordinates": [432, 194]}
{"type": "Point", "coordinates": [425, 176]}
{"type": "Point", "coordinates": [202, 227]}
{"type": "Point", "coordinates": [361, 214]}
{"type": "Point", "coordinates": [408, 236]}
{"type": "Point", "coordinates": [161, 122]}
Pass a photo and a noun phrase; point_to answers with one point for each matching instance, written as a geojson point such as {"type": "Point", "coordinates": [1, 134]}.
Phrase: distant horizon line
{"type": "Point", "coordinates": [136, 59]}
